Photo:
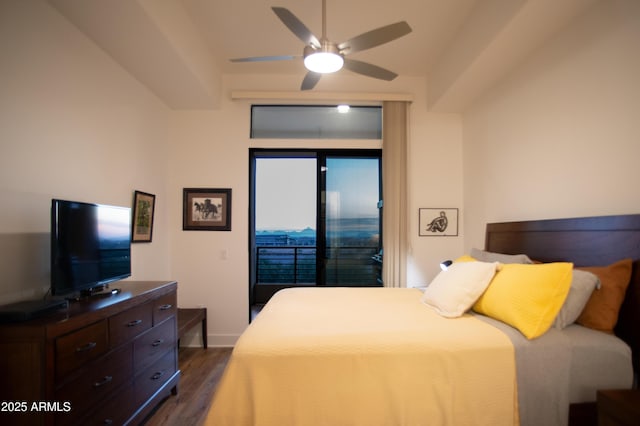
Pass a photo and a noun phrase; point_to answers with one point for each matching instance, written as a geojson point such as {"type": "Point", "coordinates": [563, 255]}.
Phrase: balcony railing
{"type": "Point", "coordinates": [286, 265]}
{"type": "Point", "coordinates": [350, 266]}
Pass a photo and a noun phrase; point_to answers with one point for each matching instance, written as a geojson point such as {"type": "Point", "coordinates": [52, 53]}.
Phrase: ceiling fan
{"type": "Point", "coordinates": [322, 56]}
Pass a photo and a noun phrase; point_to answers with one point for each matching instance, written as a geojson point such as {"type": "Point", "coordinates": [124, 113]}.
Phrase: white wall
{"type": "Point", "coordinates": [73, 125]}
{"type": "Point", "coordinates": [560, 137]}
{"type": "Point", "coordinates": [209, 150]}
{"type": "Point", "coordinates": [435, 181]}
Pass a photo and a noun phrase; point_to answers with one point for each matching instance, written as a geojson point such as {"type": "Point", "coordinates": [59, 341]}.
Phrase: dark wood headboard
{"type": "Point", "coordinates": [589, 241]}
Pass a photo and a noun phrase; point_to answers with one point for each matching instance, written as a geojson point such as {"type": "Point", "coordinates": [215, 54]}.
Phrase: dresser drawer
{"type": "Point", "coordinates": [98, 380]}
{"type": "Point", "coordinates": [116, 411]}
{"type": "Point", "coordinates": [155, 376]}
{"type": "Point", "coordinates": [113, 411]}
{"type": "Point", "coordinates": [126, 325]}
{"type": "Point", "coordinates": [76, 349]}
{"type": "Point", "coordinates": [148, 347]}
{"type": "Point", "coordinates": [164, 307]}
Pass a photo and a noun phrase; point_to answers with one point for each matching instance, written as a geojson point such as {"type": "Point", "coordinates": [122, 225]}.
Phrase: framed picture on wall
{"type": "Point", "coordinates": [142, 221]}
{"type": "Point", "coordinates": [206, 209]}
{"type": "Point", "coordinates": [438, 222]}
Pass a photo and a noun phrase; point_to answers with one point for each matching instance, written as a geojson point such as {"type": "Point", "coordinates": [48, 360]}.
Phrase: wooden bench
{"type": "Point", "coordinates": [190, 317]}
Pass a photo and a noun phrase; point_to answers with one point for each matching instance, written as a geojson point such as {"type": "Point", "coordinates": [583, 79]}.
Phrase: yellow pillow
{"type": "Point", "coordinates": [527, 297]}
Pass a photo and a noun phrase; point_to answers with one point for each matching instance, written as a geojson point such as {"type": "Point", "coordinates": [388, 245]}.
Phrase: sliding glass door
{"type": "Point", "coordinates": [314, 219]}
{"type": "Point", "coordinates": [351, 219]}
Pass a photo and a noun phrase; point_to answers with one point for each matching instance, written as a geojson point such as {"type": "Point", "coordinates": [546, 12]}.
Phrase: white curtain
{"type": "Point", "coordinates": [394, 193]}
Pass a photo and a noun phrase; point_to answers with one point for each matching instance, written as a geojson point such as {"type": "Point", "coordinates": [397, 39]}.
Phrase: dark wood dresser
{"type": "Point", "coordinates": [104, 360]}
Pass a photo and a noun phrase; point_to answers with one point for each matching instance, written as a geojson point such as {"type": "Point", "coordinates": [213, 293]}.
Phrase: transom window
{"type": "Point", "coordinates": [316, 122]}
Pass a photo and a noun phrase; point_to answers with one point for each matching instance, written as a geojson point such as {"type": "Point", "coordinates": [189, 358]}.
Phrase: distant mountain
{"type": "Point", "coordinates": [342, 232]}
{"type": "Point", "coordinates": [305, 231]}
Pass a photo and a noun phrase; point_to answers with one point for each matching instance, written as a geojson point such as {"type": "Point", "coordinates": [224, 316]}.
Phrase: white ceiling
{"type": "Point", "coordinates": [180, 48]}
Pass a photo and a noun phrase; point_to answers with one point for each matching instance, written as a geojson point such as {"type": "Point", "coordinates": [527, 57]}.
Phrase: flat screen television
{"type": "Point", "coordinates": [90, 246]}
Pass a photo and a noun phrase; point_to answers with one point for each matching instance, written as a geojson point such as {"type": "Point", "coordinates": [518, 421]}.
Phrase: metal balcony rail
{"type": "Point", "coordinates": [286, 265]}
{"type": "Point", "coordinates": [345, 265]}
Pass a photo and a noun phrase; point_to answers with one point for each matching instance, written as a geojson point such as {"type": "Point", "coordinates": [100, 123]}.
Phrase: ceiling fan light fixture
{"type": "Point", "coordinates": [325, 60]}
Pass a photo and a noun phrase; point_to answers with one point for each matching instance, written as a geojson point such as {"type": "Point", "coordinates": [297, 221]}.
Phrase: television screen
{"type": "Point", "coordinates": [90, 245]}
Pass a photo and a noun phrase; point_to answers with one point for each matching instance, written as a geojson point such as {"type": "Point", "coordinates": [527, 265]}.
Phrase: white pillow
{"type": "Point", "coordinates": [454, 291]}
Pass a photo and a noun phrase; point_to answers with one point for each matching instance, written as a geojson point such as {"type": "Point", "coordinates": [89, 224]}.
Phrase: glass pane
{"type": "Point", "coordinates": [352, 220]}
{"type": "Point", "coordinates": [315, 122]}
{"type": "Point", "coordinates": [285, 211]}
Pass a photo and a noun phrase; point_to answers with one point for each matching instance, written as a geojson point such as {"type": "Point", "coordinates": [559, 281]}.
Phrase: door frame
{"type": "Point", "coordinates": [258, 293]}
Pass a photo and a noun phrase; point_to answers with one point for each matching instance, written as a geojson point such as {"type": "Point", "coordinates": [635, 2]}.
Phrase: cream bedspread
{"type": "Point", "coordinates": [365, 356]}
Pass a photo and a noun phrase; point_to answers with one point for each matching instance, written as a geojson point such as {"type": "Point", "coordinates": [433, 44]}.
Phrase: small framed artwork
{"type": "Point", "coordinates": [441, 222]}
{"type": "Point", "coordinates": [142, 221]}
{"type": "Point", "coordinates": [206, 209]}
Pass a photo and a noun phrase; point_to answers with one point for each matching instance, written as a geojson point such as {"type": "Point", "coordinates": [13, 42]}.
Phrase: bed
{"type": "Point", "coordinates": [367, 356]}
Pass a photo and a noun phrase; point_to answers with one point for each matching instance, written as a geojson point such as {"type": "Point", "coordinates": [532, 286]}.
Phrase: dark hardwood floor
{"type": "Point", "coordinates": [201, 371]}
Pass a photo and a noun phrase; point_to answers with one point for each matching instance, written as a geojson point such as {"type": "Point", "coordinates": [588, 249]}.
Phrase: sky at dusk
{"type": "Point", "coordinates": [286, 191]}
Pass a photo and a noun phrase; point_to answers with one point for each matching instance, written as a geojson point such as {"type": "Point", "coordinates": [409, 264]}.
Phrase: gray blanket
{"type": "Point", "coordinates": [563, 367]}
{"type": "Point", "coordinates": [543, 368]}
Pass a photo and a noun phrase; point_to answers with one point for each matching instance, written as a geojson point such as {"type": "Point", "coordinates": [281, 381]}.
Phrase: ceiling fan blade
{"type": "Point", "coordinates": [296, 26]}
{"type": "Point", "coordinates": [369, 70]}
{"type": "Point", "coordinates": [266, 58]}
{"type": "Point", "coordinates": [375, 37]}
{"type": "Point", "coordinates": [310, 80]}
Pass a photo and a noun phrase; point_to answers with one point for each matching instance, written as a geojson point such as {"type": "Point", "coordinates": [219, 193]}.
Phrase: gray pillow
{"type": "Point", "coordinates": [487, 256]}
{"type": "Point", "coordinates": [582, 285]}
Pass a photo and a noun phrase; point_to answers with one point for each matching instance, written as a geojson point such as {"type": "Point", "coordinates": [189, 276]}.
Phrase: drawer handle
{"type": "Point", "coordinates": [157, 342]}
{"type": "Point", "coordinates": [166, 307]}
{"type": "Point", "coordinates": [86, 347]}
{"type": "Point", "coordinates": [157, 375]}
{"type": "Point", "coordinates": [104, 381]}
{"type": "Point", "coordinates": [134, 323]}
